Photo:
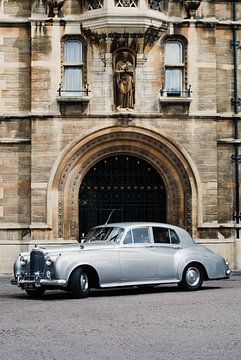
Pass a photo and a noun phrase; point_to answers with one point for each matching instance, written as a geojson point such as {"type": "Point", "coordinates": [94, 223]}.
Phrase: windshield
{"type": "Point", "coordinates": [104, 234]}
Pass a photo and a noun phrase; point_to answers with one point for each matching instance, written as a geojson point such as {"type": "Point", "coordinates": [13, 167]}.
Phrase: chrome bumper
{"type": "Point", "coordinates": [38, 282]}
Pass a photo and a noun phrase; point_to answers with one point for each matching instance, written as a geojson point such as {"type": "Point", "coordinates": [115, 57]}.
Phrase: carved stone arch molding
{"type": "Point", "coordinates": [172, 163]}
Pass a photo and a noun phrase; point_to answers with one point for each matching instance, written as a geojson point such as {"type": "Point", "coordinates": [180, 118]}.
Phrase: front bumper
{"type": "Point", "coordinates": [38, 282]}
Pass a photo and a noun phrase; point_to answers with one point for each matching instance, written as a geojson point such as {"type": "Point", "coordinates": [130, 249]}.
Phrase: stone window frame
{"type": "Point", "coordinates": [185, 87]}
{"type": "Point", "coordinates": [83, 64]}
{"type": "Point", "coordinates": [127, 3]}
{"type": "Point", "coordinates": [95, 5]}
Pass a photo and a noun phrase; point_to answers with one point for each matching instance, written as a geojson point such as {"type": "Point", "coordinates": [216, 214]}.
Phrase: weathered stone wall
{"type": "Point", "coordinates": [15, 194]}
{"type": "Point", "coordinates": [15, 86]}
{"type": "Point", "coordinates": [37, 130]}
{"type": "Point", "coordinates": [16, 8]}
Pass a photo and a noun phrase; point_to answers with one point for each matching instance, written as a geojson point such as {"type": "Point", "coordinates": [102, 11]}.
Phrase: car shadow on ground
{"type": "Point", "coordinates": [55, 295]}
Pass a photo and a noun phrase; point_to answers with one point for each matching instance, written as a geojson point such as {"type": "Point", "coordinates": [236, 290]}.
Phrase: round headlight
{"type": "Point", "coordinates": [48, 274]}
{"type": "Point", "coordinates": [22, 260]}
{"type": "Point", "coordinates": [48, 261]}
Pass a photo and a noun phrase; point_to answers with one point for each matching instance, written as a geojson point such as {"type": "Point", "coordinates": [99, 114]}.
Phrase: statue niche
{"type": "Point", "coordinates": [124, 85]}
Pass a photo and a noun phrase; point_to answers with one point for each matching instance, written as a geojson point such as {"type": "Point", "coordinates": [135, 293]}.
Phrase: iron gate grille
{"type": "Point", "coordinates": [125, 183]}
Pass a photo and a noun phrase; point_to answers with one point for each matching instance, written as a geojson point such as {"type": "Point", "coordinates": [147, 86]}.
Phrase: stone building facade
{"type": "Point", "coordinates": [129, 105]}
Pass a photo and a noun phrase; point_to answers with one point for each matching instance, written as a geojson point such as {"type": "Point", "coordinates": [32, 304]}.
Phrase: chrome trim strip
{"type": "Point", "coordinates": [39, 282]}
{"type": "Point", "coordinates": [53, 282]}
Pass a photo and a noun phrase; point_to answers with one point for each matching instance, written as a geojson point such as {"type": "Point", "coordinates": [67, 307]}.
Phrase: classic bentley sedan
{"type": "Point", "coordinates": [120, 254]}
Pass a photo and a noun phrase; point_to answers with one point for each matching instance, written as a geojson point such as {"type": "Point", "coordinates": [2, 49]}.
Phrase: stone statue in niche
{"type": "Point", "coordinates": [124, 85]}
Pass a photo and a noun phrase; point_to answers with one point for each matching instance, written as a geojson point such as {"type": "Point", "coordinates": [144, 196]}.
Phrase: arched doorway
{"type": "Point", "coordinates": [127, 184]}
{"type": "Point", "coordinates": [173, 166]}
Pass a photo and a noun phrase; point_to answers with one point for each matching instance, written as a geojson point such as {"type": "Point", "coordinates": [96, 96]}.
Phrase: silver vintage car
{"type": "Point", "coordinates": [120, 254]}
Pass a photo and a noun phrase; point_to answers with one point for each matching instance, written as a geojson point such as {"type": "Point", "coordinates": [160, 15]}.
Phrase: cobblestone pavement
{"type": "Point", "coordinates": [162, 323]}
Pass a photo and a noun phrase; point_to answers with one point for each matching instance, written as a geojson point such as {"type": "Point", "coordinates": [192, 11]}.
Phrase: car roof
{"type": "Point", "coordinates": [184, 236]}
{"type": "Point", "coordinates": [139, 223]}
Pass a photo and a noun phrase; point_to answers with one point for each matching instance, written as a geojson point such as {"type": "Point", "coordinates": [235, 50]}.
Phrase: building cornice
{"type": "Point", "coordinates": [122, 115]}
{"type": "Point", "coordinates": [116, 17]}
{"type": "Point", "coordinates": [13, 21]}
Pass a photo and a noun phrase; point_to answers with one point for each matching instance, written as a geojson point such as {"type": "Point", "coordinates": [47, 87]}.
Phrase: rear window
{"type": "Point", "coordinates": [165, 236]}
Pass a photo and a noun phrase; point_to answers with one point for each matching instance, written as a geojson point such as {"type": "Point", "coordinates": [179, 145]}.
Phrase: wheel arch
{"type": "Point", "coordinates": [91, 272]}
{"type": "Point", "coordinates": [197, 263]}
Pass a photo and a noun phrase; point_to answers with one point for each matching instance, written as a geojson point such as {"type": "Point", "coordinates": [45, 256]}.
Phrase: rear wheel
{"type": "Point", "coordinates": [192, 278]}
{"type": "Point", "coordinates": [79, 283]}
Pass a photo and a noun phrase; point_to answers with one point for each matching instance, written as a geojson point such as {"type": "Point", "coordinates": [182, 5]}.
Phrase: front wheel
{"type": "Point", "coordinates": [192, 278]}
{"type": "Point", "coordinates": [79, 283]}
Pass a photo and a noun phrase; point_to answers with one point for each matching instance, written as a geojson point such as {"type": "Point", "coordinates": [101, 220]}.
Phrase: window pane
{"type": "Point", "coordinates": [174, 237]}
{"type": "Point", "coordinates": [72, 79]}
{"type": "Point", "coordinates": [173, 52]}
{"type": "Point", "coordinates": [141, 235]}
{"type": "Point", "coordinates": [161, 235]}
{"type": "Point", "coordinates": [128, 238]}
{"type": "Point", "coordinates": [173, 81]}
{"type": "Point", "coordinates": [73, 51]}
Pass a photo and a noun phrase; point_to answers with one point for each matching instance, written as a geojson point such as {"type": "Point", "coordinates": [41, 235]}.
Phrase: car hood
{"type": "Point", "coordinates": [77, 247]}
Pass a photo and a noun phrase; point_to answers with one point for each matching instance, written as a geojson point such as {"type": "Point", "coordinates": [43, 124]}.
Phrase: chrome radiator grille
{"type": "Point", "coordinates": [36, 262]}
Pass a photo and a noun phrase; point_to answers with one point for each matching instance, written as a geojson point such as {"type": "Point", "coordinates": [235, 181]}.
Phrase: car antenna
{"type": "Point", "coordinates": [109, 216]}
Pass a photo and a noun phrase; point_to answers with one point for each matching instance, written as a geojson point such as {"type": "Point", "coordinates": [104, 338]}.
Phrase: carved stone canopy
{"type": "Point", "coordinates": [138, 42]}
{"type": "Point", "coordinates": [54, 7]}
{"type": "Point", "coordinates": [192, 6]}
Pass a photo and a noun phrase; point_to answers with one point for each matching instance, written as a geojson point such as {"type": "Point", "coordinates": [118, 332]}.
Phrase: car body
{"type": "Point", "coordinates": [120, 254]}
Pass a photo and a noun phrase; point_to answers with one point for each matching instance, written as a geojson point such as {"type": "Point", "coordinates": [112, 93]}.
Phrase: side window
{"type": "Point", "coordinates": [174, 68]}
{"type": "Point", "coordinates": [141, 235]}
{"type": "Point", "coordinates": [73, 67]}
{"type": "Point", "coordinates": [174, 238]}
{"type": "Point", "coordinates": [161, 235]}
{"type": "Point", "coordinates": [128, 238]}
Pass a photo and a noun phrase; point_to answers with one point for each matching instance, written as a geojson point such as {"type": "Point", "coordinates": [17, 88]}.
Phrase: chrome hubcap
{"type": "Point", "coordinates": [84, 282]}
{"type": "Point", "coordinates": [192, 276]}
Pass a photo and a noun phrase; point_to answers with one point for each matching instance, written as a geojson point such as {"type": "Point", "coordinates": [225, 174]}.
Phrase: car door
{"type": "Point", "coordinates": [166, 244]}
{"type": "Point", "coordinates": [137, 259]}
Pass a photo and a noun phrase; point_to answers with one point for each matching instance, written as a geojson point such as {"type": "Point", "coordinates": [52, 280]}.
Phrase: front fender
{"type": "Point", "coordinates": [106, 265]}
{"type": "Point", "coordinates": [65, 265]}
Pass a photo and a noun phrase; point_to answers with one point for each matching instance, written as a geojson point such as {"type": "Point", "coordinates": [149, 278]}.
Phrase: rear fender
{"type": "Point", "coordinates": [194, 261]}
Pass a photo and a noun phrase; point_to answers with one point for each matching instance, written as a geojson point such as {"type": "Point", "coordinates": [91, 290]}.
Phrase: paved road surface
{"type": "Point", "coordinates": [163, 323]}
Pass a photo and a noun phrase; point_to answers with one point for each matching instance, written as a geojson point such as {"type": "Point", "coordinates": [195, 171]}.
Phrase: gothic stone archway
{"type": "Point", "coordinates": [158, 151]}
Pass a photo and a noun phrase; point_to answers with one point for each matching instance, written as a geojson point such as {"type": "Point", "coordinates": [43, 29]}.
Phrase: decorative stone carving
{"type": "Point", "coordinates": [95, 4]}
{"type": "Point", "coordinates": [54, 7]}
{"type": "Point", "coordinates": [191, 7]}
{"type": "Point", "coordinates": [158, 5]}
{"type": "Point", "coordinates": [170, 167]}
